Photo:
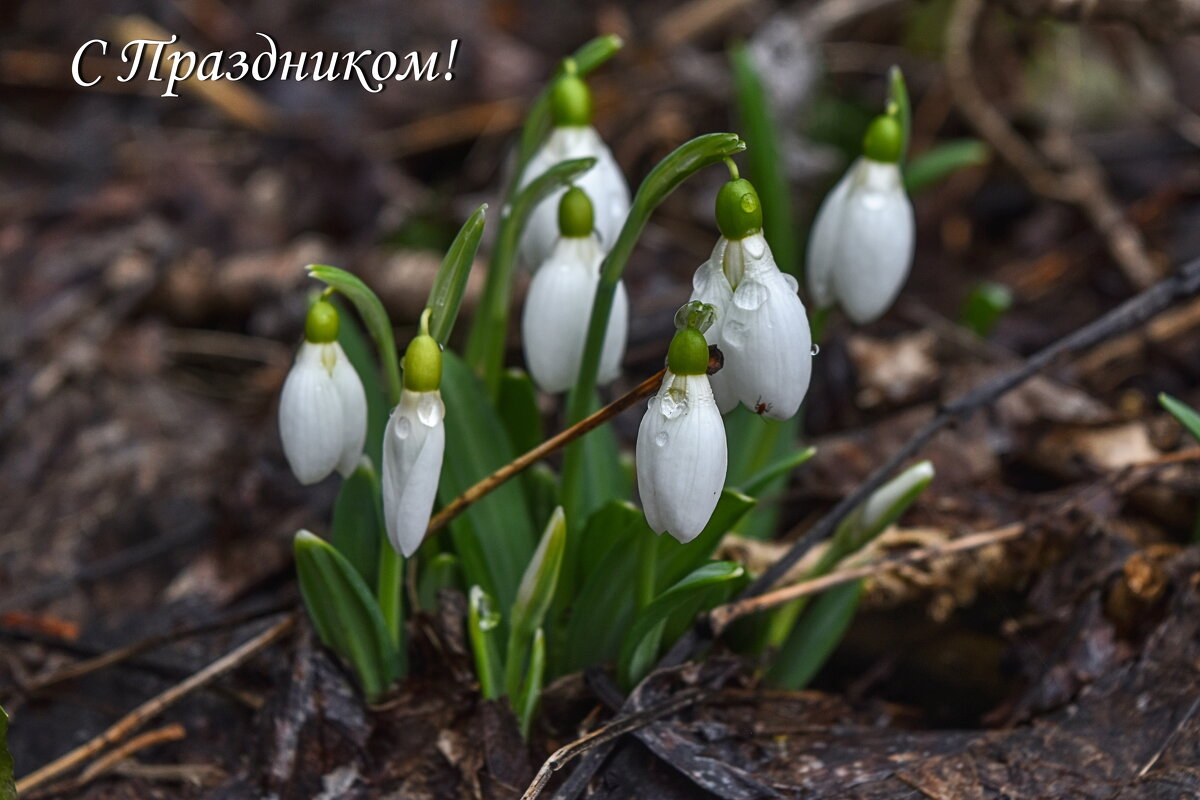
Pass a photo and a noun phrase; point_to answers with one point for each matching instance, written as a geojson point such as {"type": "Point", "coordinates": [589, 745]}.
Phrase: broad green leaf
{"type": "Point", "coordinates": [442, 572]}
{"type": "Point", "coordinates": [534, 597]}
{"type": "Point", "coordinates": [540, 483]}
{"type": "Point", "coordinates": [942, 160]}
{"type": "Point", "coordinates": [605, 557]}
{"type": "Point", "coordinates": [760, 131]}
{"type": "Point", "coordinates": [676, 560]}
{"type": "Point", "coordinates": [483, 623]}
{"type": "Point", "coordinates": [644, 638]}
{"type": "Point", "coordinates": [605, 478]}
{"type": "Point", "coordinates": [446, 296]}
{"type": "Point", "coordinates": [755, 444]}
{"type": "Point", "coordinates": [1186, 415]}
{"type": "Point", "coordinates": [374, 317]}
{"type": "Point", "coordinates": [985, 305]}
{"type": "Point", "coordinates": [489, 332]}
{"type": "Point", "coordinates": [345, 615]}
{"type": "Point", "coordinates": [8, 789]}
{"type": "Point", "coordinates": [531, 688]}
{"type": "Point", "coordinates": [358, 522]}
{"type": "Point", "coordinates": [816, 636]}
{"type": "Point", "coordinates": [358, 350]}
{"type": "Point", "coordinates": [494, 536]}
{"type": "Point", "coordinates": [517, 406]}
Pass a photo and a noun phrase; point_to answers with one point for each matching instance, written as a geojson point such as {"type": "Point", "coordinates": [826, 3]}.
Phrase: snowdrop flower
{"type": "Point", "coordinates": [573, 137]}
{"type": "Point", "coordinates": [558, 307]}
{"type": "Point", "coordinates": [681, 450]}
{"type": "Point", "coordinates": [413, 445]}
{"type": "Point", "coordinates": [761, 328]}
{"type": "Point", "coordinates": [861, 247]}
{"type": "Point", "coordinates": [323, 408]}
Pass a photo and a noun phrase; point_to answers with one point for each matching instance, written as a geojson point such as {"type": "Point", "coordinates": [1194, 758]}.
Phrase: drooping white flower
{"type": "Point", "coordinates": [681, 450]}
{"type": "Point", "coordinates": [558, 308]}
{"type": "Point", "coordinates": [573, 137]}
{"type": "Point", "coordinates": [414, 443]}
{"type": "Point", "coordinates": [323, 408]}
{"type": "Point", "coordinates": [861, 247]}
{"type": "Point", "coordinates": [413, 446]}
{"type": "Point", "coordinates": [761, 325]}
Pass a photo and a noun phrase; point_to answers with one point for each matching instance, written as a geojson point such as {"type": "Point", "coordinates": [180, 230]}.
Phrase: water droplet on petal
{"type": "Point", "coordinates": [661, 439]}
{"type": "Point", "coordinates": [429, 410]}
{"type": "Point", "coordinates": [750, 295]}
{"type": "Point", "coordinates": [792, 284]}
{"type": "Point", "coordinates": [403, 428]}
{"type": "Point", "coordinates": [816, 349]}
{"type": "Point", "coordinates": [755, 246]}
{"type": "Point", "coordinates": [734, 333]}
{"type": "Point", "coordinates": [673, 404]}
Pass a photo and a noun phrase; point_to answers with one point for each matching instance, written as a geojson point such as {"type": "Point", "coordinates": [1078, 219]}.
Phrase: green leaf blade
{"type": "Point", "coordinates": [446, 296]}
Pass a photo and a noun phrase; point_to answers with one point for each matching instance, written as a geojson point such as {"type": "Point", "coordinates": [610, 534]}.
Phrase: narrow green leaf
{"type": "Point", "coordinates": [676, 560]}
{"type": "Point", "coordinates": [644, 639]}
{"type": "Point", "coordinates": [533, 599]}
{"type": "Point", "coordinates": [942, 160]}
{"type": "Point", "coordinates": [358, 523]}
{"type": "Point", "coordinates": [985, 305]}
{"type": "Point", "coordinates": [816, 636]}
{"type": "Point", "coordinates": [345, 615]}
{"type": "Point", "coordinates": [540, 483]}
{"type": "Point", "coordinates": [374, 317]}
{"type": "Point", "coordinates": [755, 443]}
{"type": "Point", "coordinates": [442, 572]}
{"type": "Point", "coordinates": [8, 789]}
{"type": "Point", "coordinates": [445, 298]}
{"type": "Point", "coordinates": [601, 463]}
{"type": "Point", "coordinates": [1186, 415]}
{"type": "Point", "coordinates": [899, 106]}
{"type": "Point", "coordinates": [495, 536]}
{"type": "Point", "coordinates": [518, 408]}
{"type": "Point", "coordinates": [759, 481]}
{"type": "Point", "coordinates": [760, 131]}
{"type": "Point", "coordinates": [489, 332]}
{"type": "Point", "coordinates": [483, 622]}
{"type": "Point", "coordinates": [531, 689]}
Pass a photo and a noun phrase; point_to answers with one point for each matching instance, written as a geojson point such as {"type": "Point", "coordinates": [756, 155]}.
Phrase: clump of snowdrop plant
{"type": "Point", "coordinates": [761, 326]}
{"type": "Point", "coordinates": [594, 587]}
{"type": "Point", "coordinates": [323, 409]}
{"type": "Point", "coordinates": [559, 303]}
{"type": "Point", "coordinates": [574, 137]}
{"type": "Point", "coordinates": [414, 444]}
{"type": "Point", "coordinates": [861, 247]}
{"type": "Point", "coordinates": [681, 449]}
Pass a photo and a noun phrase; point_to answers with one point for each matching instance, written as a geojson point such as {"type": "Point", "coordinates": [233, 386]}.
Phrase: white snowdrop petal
{"type": "Point", "coordinates": [554, 323]}
{"type": "Point", "coordinates": [644, 456]}
{"type": "Point", "coordinates": [354, 411]}
{"type": "Point", "coordinates": [604, 184]}
{"type": "Point", "coordinates": [310, 410]}
{"type": "Point", "coordinates": [614, 337]}
{"type": "Point", "coordinates": [877, 242]}
{"type": "Point", "coordinates": [414, 444]}
{"type": "Point", "coordinates": [823, 241]}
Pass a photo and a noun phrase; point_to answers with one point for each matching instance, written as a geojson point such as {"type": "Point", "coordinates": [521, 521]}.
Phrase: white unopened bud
{"type": "Point", "coordinates": [322, 413]}
{"type": "Point", "coordinates": [413, 446]}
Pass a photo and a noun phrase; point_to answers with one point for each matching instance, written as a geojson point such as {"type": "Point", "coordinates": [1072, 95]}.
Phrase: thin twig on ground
{"type": "Point", "coordinates": [103, 765]}
{"type": "Point", "coordinates": [155, 706]}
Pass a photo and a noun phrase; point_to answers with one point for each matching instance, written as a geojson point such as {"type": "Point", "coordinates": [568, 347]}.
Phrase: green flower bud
{"type": "Point", "coordinates": [423, 360]}
{"type": "Point", "coordinates": [739, 212]}
{"type": "Point", "coordinates": [688, 354]}
{"type": "Point", "coordinates": [321, 324]}
{"type": "Point", "coordinates": [570, 101]}
{"type": "Point", "coordinates": [575, 215]}
{"type": "Point", "coordinates": [884, 141]}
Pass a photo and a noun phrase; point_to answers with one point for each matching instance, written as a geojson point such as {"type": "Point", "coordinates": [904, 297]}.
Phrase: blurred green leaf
{"type": "Point", "coordinates": [941, 160]}
{"type": "Point", "coordinates": [533, 600]}
{"type": "Point", "coordinates": [531, 688]}
{"type": "Point", "coordinates": [483, 623]}
{"type": "Point", "coordinates": [644, 638]}
{"type": "Point", "coordinates": [757, 483]}
{"type": "Point", "coordinates": [984, 307]}
{"type": "Point", "coordinates": [345, 615]}
{"type": "Point", "coordinates": [816, 636]}
{"type": "Point", "coordinates": [450, 284]}
{"type": "Point", "coordinates": [442, 572]}
{"type": "Point", "coordinates": [8, 789]}
{"type": "Point", "coordinates": [1186, 415]}
{"type": "Point", "coordinates": [358, 522]}
{"type": "Point", "coordinates": [374, 317]}
{"type": "Point", "coordinates": [755, 444]}
{"type": "Point", "coordinates": [676, 560]}
{"type": "Point", "coordinates": [358, 350]}
{"type": "Point", "coordinates": [601, 463]}
{"type": "Point", "coordinates": [899, 106]}
{"type": "Point", "coordinates": [518, 408]}
{"type": "Point", "coordinates": [494, 537]}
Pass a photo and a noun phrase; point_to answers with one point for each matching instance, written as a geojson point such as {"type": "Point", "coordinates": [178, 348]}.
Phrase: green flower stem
{"type": "Point", "coordinates": [647, 570]}
{"type": "Point", "coordinates": [673, 170]}
{"type": "Point", "coordinates": [390, 593]}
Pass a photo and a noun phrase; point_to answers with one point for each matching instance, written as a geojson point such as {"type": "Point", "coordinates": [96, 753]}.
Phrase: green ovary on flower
{"type": "Point", "coordinates": [570, 100]}
{"type": "Point", "coordinates": [321, 324]}
{"type": "Point", "coordinates": [688, 354]}
{"type": "Point", "coordinates": [576, 218]}
{"type": "Point", "coordinates": [739, 212]}
{"type": "Point", "coordinates": [884, 140]}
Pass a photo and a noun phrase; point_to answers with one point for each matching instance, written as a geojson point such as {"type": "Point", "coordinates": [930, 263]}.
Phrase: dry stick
{"type": "Point", "coordinates": [493, 481]}
{"type": "Point", "coordinates": [1133, 312]}
{"type": "Point", "coordinates": [1077, 179]}
{"type": "Point", "coordinates": [606, 733]}
{"type": "Point", "coordinates": [156, 705]}
{"type": "Point", "coordinates": [101, 766]}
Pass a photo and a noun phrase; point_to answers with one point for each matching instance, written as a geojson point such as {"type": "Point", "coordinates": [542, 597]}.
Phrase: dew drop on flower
{"type": "Point", "coordinates": [661, 439]}
{"type": "Point", "coordinates": [792, 284]}
{"type": "Point", "coordinates": [734, 333]}
{"type": "Point", "coordinates": [816, 349]}
{"type": "Point", "coordinates": [429, 410]}
{"type": "Point", "coordinates": [673, 404]}
{"type": "Point", "coordinates": [750, 295]}
{"type": "Point", "coordinates": [756, 246]}
{"type": "Point", "coordinates": [403, 428]}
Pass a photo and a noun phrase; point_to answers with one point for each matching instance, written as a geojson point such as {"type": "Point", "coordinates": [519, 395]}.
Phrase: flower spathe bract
{"type": "Point", "coordinates": [322, 413]}
{"type": "Point", "coordinates": [414, 443]}
{"type": "Point", "coordinates": [558, 308]}
{"type": "Point", "coordinates": [604, 184]}
{"type": "Point", "coordinates": [761, 328]}
{"type": "Point", "coordinates": [861, 248]}
{"type": "Point", "coordinates": [681, 456]}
